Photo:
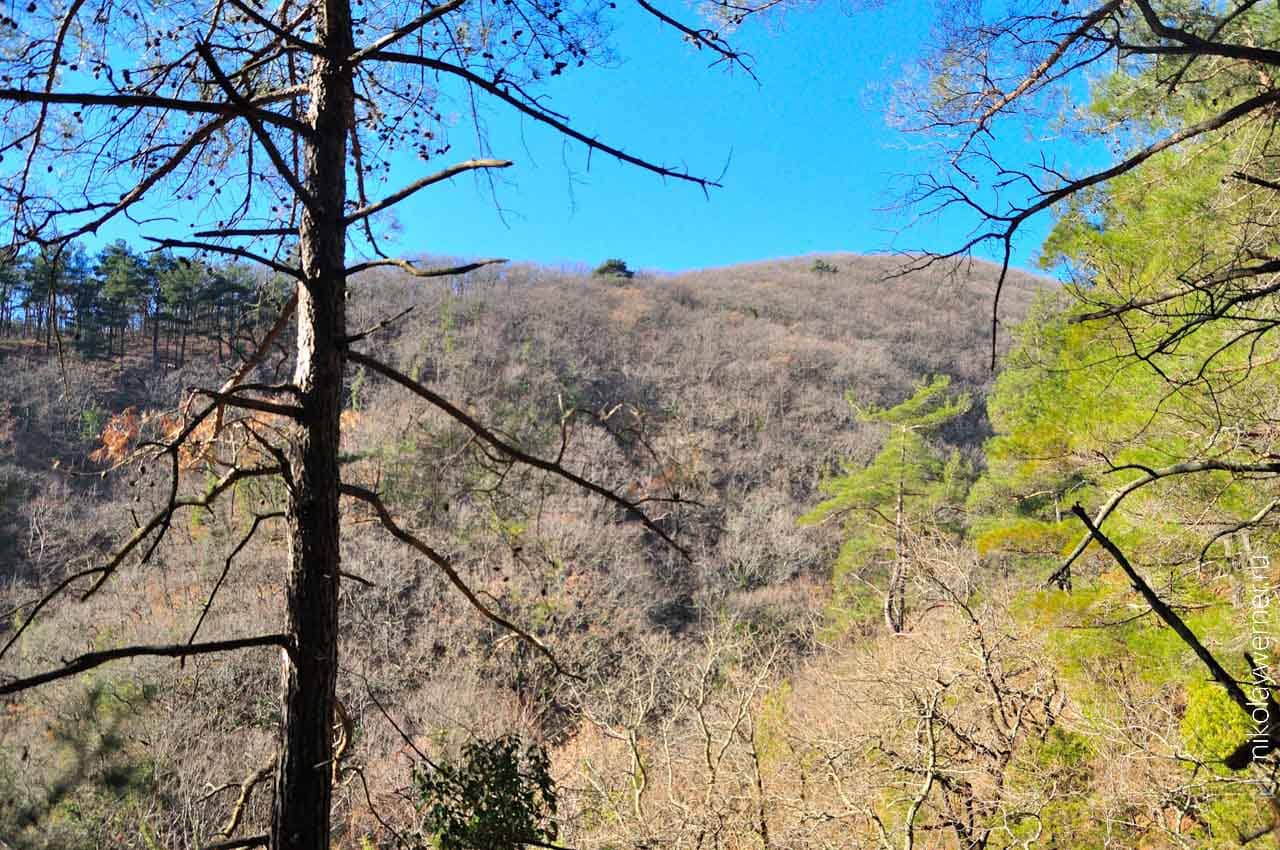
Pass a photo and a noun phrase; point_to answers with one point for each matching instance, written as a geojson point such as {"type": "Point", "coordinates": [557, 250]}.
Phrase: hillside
{"type": "Point", "coordinates": [717, 396]}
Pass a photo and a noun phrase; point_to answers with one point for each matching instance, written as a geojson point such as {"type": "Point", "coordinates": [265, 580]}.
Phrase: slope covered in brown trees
{"type": "Point", "coordinates": [719, 396]}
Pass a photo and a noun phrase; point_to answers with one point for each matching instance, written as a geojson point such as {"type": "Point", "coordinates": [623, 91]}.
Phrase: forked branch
{"type": "Point", "coordinates": [156, 525]}
{"type": "Point", "coordinates": [371, 499]}
{"type": "Point", "coordinates": [514, 453]}
{"type": "Point", "coordinates": [1150, 476]}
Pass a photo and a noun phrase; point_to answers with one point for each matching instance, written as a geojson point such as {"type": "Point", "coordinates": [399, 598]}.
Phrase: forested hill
{"type": "Point", "coordinates": [746, 371]}
{"type": "Point", "coordinates": [730, 387]}
{"type": "Point", "coordinates": [718, 397]}
{"type": "Point", "coordinates": [747, 368]}
{"type": "Point", "coordinates": [768, 349]}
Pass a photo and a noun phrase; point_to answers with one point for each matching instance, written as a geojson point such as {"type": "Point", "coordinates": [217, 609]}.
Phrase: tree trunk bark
{"type": "Point", "coordinates": [304, 777]}
{"type": "Point", "coordinates": [53, 312]}
{"type": "Point", "coordinates": [894, 603]}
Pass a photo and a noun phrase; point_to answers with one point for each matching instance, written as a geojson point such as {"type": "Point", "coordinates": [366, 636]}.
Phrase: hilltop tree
{"type": "Point", "coordinates": [614, 267]}
{"type": "Point", "coordinates": [268, 133]}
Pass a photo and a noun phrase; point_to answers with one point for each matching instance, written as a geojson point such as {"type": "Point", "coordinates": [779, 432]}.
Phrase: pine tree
{"type": "Point", "coordinates": [906, 486]}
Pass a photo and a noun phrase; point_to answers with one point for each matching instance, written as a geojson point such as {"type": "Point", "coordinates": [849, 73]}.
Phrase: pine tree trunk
{"type": "Point", "coordinates": [895, 603]}
{"type": "Point", "coordinates": [52, 313]}
{"type": "Point", "coordinates": [304, 776]}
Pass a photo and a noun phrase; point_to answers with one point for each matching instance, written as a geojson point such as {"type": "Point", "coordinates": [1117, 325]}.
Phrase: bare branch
{"type": "Point", "coordinates": [444, 174]}
{"type": "Point", "coordinates": [409, 267]}
{"type": "Point", "coordinates": [513, 452]}
{"type": "Point", "coordinates": [217, 585]}
{"type": "Point", "coordinates": [539, 115]}
{"type": "Point", "coordinates": [400, 32]}
{"type": "Point", "coordinates": [90, 660]}
{"type": "Point", "coordinates": [238, 843]}
{"type": "Point", "coordinates": [246, 231]}
{"type": "Point", "coordinates": [384, 516]}
{"type": "Point", "coordinates": [710, 39]}
{"type": "Point", "coordinates": [273, 153]}
{"type": "Point", "coordinates": [1239, 526]}
{"type": "Point", "coordinates": [1150, 476]}
{"type": "Point", "coordinates": [151, 101]}
{"type": "Point", "coordinates": [246, 791]}
{"type": "Point", "coordinates": [387, 322]}
{"type": "Point", "coordinates": [1257, 745]}
{"type": "Point", "coordinates": [230, 250]}
{"type": "Point", "coordinates": [235, 400]}
{"type": "Point", "coordinates": [283, 33]}
{"type": "Point", "coordinates": [1089, 22]}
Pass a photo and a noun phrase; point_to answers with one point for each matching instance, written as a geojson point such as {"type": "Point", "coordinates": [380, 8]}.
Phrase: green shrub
{"type": "Point", "coordinates": [613, 267]}
{"type": "Point", "coordinates": [498, 795]}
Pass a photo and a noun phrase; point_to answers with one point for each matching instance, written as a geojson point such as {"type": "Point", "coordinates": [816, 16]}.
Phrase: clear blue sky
{"type": "Point", "coordinates": [811, 160]}
{"type": "Point", "coordinates": [810, 163]}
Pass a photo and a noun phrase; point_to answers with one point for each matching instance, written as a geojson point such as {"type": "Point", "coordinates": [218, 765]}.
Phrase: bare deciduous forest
{"type": "Point", "coordinates": [722, 388]}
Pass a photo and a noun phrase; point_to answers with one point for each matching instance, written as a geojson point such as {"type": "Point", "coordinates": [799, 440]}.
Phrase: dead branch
{"type": "Point", "coordinates": [384, 516]}
{"type": "Point", "coordinates": [408, 29]}
{"type": "Point", "coordinates": [150, 101]}
{"type": "Point", "coordinates": [237, 843]}
{"type": "Point", "coordinates": [424, 182]}
{"type": "Point", "coordinates": [700, 38]}
{"type": "Point", "coordinates": [246, 792]}
{"type": "Point", "coordinates": [513, 452]}
{"type": "Point", "coordinates": [159, 520]}
{"type": "Point", "coordinates": [1167, 614]}
{"type": "Point", "coordinates": [409, 267]}
{"type": "Point", "coordinates": [230, 250]}
{"type": "Point", "coordinates": [1152, 475]}
{"type": "Point", "coordinates": [226, 568]}
{"type": "Point", "coordinates": [540, 115]}
{"type": "Point", "coordinates": [273, 153]}
{"type": "Point", "coordinates": [1240, 526]}
{"type": "Point", "coordinates": [90, 660]}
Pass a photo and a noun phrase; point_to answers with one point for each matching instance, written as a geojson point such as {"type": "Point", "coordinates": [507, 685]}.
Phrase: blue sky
{"type": "Point", "coordinates": [811, 161]}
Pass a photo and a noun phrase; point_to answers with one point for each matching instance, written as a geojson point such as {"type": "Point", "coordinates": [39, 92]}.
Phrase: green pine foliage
{"type": "Point", "coordinates": [1090, 403]}
{"type": "Point", "coordinates": [909, 489]}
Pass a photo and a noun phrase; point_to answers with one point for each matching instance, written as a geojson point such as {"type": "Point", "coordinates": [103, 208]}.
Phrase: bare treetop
{"type": "Point", "coordinates": [195, 113]}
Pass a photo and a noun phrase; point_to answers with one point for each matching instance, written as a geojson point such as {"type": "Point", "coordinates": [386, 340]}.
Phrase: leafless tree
{"type": "Point", "coordinates": [269, 131]}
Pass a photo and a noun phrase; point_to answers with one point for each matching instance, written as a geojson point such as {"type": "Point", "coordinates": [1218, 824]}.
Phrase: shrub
{"type": "Point", "coordinates": [494, 796]}
{"type": "Point", "coordinates": [614, 267]}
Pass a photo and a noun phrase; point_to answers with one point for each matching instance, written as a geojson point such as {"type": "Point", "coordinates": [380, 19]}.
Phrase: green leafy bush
{"type": "Point", "coordinates": [613, 267]}
{"type": "Point", "coordinates": [497, 796]}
